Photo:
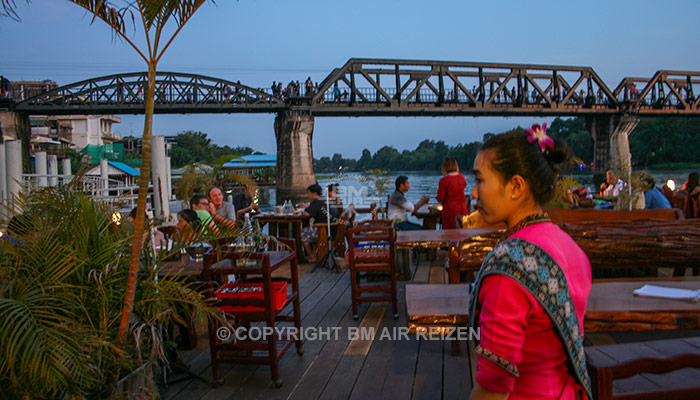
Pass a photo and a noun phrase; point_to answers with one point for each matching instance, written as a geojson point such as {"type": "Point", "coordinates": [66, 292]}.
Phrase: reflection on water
{"type": "Point", "coordinates": [353, 191]}
{"type": "Point", "coordinates": [425, 183]}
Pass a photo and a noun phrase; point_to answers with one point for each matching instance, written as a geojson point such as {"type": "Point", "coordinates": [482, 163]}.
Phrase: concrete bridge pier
{"type": "Point", "coordinates": [295, 160]}
{"type": "Point", "coordinates": [611, 148]}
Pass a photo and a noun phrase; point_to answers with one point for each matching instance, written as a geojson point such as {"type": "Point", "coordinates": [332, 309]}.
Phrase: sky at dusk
{"type": "Point", "coordinates": [260, 41]}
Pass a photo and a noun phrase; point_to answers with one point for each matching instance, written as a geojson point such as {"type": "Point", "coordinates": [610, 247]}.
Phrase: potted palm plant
{"type": "Point", "coordinates": [62, 283]}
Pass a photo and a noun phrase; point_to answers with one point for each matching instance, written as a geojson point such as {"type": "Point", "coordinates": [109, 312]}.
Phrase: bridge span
{"type": "Point", "coordinates": [382, 87]}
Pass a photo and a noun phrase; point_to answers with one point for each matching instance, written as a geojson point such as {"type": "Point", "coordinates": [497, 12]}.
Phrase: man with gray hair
{"type": "Point", "coordinates": [612, 187]}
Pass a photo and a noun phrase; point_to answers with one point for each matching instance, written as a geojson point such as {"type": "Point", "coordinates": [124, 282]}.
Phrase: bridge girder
{"type": "Point", "coordinates": [379, 87]}
{"type": "Point", "coordinates": [435, 88]}
{"type": "Point", "coordinates": [175, 93]}
{"type": "Point", "coordinates": [667, 92]}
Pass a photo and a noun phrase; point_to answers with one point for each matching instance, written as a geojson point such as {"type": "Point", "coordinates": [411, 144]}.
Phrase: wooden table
{"type": "Point", "coordinates": [288, 226]}
{"type": "Point", "coordinates": [435, 239]}
{"type": "Point", "coordinates": [436, 305]}
{"type": "Point", "coordinates": [430, 215]}
{"type": "Point", "coordinates": [611, 306]}
{"type": "Point", "coordinates": [185, 266]}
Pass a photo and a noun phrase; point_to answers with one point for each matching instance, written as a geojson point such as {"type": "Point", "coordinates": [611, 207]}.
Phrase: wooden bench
{"type": "Point", "coordinates": [611, 239]}
{"type": "Point", "coordinates": [660, 369]}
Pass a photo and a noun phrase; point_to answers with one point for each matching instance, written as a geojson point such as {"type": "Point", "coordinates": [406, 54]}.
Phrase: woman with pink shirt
{"type": "Point", "coordinates": [529, 298]}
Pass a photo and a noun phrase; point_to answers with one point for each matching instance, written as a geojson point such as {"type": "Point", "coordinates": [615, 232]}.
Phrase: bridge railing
{"type": "Point", "coordinates": [480, 85]}
{"type": "Point", "coordinates": [371, 95]}
{"type": "Point", "coordinates": [671, 91]}
{"type": "Point", "coordinates": [127, 91]}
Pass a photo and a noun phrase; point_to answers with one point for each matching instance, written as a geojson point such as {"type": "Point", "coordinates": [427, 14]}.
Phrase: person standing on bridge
{"type": "Point", "coordinates": [529, 298]}
{"type": "Point", "coordinates": [336, 93]}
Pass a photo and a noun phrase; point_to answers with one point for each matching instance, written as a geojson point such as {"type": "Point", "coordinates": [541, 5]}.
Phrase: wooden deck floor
{"type": "Point", "coordinates": [343, 369]}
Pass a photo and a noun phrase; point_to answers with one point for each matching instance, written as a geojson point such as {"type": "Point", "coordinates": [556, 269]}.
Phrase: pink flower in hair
{"type": "Point", "coordinates": [540, 134]}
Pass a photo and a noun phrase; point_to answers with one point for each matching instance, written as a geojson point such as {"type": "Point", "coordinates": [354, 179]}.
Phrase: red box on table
{"type": "Point", "coordinates": [255, 290]}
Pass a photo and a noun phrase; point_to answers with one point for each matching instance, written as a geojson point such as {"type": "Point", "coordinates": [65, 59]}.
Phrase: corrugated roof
{"type": "Point", "coordinates": [239, 164]}
{"type": "Point", "coordinates": [126, 168]}
{"type": "Point", "coordinates": [260, 157]}
{"type": "Point", "coordinates": [253, 161]}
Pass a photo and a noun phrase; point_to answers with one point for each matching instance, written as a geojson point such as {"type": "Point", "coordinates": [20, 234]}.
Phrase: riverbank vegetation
{"type": "Point", "coordinates": [655, 143]}
{"type": "Point", "coordinates": [195, 147]}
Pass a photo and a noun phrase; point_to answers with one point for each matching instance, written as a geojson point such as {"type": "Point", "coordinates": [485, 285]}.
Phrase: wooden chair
{"type": "Point", "coordinates": [269, 350]}
{"type": "Point", "coordinates": [689, 205]}
{"type": "Point", "coordinates": [657, 360]}
{"type": "Point", "coordinates": [370, 252]}
{"type": "Point", "coordinates": [337, 241]}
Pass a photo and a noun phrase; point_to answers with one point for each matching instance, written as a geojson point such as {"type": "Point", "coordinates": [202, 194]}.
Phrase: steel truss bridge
{"type": "Point", "coordinates": [376, 87]}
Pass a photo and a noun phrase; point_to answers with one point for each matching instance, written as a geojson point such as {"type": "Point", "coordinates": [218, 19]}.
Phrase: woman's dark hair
{"type": "Point", "coordinates": [514, 155]}
{"type": "Point", "coordinates": [692, 182]}
{"type": "Point", "coordinates": [450, 165]}
{"type": "Point", "coordinates": [191, 217]}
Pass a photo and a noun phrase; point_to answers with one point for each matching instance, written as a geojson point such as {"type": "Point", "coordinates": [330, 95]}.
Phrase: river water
{"type": "Point", "coordinates": [353, 191]}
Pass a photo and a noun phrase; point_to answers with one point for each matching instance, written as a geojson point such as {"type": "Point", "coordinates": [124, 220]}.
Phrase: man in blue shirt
{"type": "Point", "coordinates": [653, 198]}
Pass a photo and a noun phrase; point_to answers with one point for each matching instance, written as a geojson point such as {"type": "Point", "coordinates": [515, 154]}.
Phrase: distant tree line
{"type": "Point", "coordinates": [196, 147]}
{"type": "Point", "coordinates": [428, 156]}
{"type": "Point", "coordinates": [655, 141]}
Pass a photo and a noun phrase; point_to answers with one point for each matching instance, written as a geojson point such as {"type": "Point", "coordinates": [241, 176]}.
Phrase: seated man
{"type": "Point", "coordinates": [319, 214]}
{"type": "Point", "coordinates": [200, 204]}
{"type": "Point", "coordinates": [223, 212]}
{"type": "Point", "coordinates": [653, 198]}
{"type": "Point", "coordinates": [243, 202]}
{"type": "Point", "coordinates": [612, 187]}
{"type": "Point", "coordinates": [399, 205]}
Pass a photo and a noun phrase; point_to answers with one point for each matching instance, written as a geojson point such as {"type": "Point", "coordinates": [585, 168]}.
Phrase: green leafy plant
{"type": "Point", "coordinates": [201, 178]}
{"type": "Point", "coordinates": [63, 280]}
{"type": "Point", "coordinates": [378, 185]}
{"type": "Point", "coordinates": [563, 198]}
